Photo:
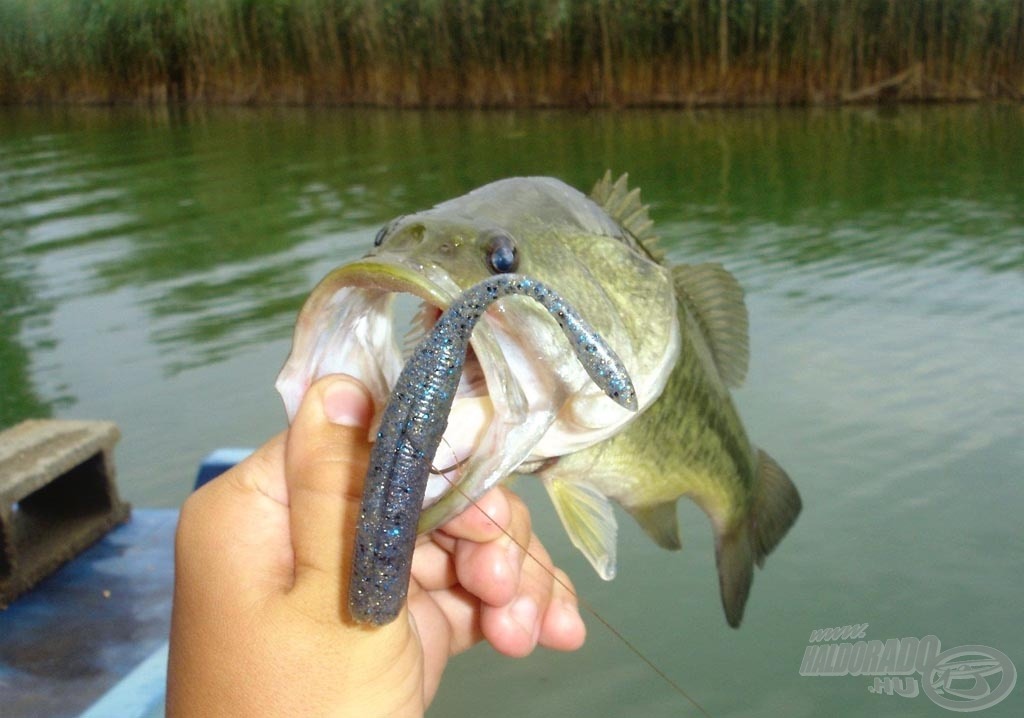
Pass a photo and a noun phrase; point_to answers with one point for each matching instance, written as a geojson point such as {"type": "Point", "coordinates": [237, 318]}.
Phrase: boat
{"type": "Point", "coordinates": [90, 639]}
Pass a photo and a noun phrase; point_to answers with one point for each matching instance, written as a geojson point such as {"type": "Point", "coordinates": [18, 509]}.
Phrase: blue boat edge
{"type": "Point", "coordinates": [91, 639]}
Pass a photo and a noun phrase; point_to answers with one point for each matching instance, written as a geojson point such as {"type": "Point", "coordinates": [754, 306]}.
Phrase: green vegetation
{"type": "Point", "coordinates": [481, 53]}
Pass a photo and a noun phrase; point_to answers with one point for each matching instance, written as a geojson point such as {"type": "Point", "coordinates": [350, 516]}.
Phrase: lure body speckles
{"type": "Point", "coordinates": [414, 421]}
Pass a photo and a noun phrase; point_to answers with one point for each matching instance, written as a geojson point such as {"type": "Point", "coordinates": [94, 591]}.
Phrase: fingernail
{"type": "Point", "coordinates": [524, 613]}
{"type": "Point", "coordinates": [346, 403]}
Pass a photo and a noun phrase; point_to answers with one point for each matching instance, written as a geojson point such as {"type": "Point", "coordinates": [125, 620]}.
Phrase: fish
{"type": "Point", "coordinates": [414, 421]}
{"type": "Point", "coordinates": [525, 406]}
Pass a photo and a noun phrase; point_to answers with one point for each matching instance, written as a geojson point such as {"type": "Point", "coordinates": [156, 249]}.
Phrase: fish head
{"type": "Point", "coordinates": [523, 397]}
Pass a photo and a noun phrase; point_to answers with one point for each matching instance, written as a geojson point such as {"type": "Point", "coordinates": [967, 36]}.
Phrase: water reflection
{"type": "Point", "coordinates": [219, 220]}
{"type": "Point", "coordinates": [19, 398]}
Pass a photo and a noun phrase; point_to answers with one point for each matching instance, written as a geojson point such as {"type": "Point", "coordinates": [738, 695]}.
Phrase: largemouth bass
{"type": "Point", "coordinates": [525, 405]}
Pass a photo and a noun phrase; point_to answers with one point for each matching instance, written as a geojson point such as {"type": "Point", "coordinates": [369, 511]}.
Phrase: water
{"type": "Point", "coordinates": [151, 268]}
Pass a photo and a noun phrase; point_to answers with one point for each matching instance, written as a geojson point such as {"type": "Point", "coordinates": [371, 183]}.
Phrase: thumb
{"type": "Point", "coordinates": [325, 464]}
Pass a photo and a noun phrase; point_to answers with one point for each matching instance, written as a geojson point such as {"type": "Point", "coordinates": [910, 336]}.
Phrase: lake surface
{"type": "Point", "coordinates": [151, 267]}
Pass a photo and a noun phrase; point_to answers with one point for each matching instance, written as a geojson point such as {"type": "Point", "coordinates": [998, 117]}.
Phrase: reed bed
{"type": "Point", "coordinates": [510, 53]}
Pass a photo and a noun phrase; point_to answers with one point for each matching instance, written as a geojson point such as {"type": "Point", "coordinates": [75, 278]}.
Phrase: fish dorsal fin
{"type": "Point", "coordinates": [716, 300]}
{"type": "Point", "coordinates": [624, 206]}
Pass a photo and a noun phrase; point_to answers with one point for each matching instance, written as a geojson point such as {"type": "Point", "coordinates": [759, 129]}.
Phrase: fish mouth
{"type": "Point", "coordinates": [348, 325]}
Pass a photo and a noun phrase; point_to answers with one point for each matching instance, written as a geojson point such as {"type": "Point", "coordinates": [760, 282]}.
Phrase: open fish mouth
{"type": "Point", "coordinates": [420, 315]}
{"type": "Point", "coordinates": [411, 432]}
{"type": "Point", "coordinates": [349, 325]}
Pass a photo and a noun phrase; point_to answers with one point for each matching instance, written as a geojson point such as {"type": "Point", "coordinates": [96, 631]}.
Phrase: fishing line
{"type": "Point", "coordinates": [582, 602]}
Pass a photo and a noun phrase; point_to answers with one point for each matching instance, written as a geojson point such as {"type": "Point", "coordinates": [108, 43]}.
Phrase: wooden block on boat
{"type": "Point", "coordinates": [57, 496]}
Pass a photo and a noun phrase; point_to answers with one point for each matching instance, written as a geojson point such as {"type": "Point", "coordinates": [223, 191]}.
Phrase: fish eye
{"type": "Point", "coordinates": [502, 256]}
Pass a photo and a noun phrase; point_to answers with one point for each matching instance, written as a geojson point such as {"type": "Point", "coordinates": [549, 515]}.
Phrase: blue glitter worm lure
{"type": "Point", "coordinates": [414, 422]}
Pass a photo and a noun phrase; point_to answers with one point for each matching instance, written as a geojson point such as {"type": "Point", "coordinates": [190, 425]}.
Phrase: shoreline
{"type": "Point", "coordinates": [157, 96]}
{"type": "Point", "coordinates": [480, 54]}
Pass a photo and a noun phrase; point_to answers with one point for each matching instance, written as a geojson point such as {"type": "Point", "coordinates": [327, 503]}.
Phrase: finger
{"type": "Point", "coordinates": [433, 567]}
{"type": "Point", "coordinates": [325, 463]}
{"type": "Point", "coordinates": [262, 472]}
{"type": "Point", "coordinates": [491, 571]}
{"type": "Point", "coordinates": [446, 542]}
{"type": "Point", "coordinates": [485, 520]}
{"type": "Point", "coordinates": [244, 501]}
{"type": "Point", "coordinates": [562, 628]}
{"type": "Point", "coordinates": [448, 623]}
{"type": "Point", "coordinates": [460, 613]}
{"type": "Point", "coordinates": [514, 628]}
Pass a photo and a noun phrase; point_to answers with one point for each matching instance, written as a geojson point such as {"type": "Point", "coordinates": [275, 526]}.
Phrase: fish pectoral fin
{"type": "Point", "coordinates": [660, 522]}
{"type": "Point", "coordinates": [715, 299]}
{"type": "Point", "coordinates": [588, 518]}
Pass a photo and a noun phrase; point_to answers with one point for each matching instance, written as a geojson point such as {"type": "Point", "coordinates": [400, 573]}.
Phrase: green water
{"type": "Point", "coordinates": [151, 268]}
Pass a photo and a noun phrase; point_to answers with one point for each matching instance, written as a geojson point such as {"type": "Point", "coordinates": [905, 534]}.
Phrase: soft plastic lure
{"type": "Point", "coordinates": [415, 420]}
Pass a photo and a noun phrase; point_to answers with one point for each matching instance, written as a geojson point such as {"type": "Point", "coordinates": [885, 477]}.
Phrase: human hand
{"type": "Point", "coordinates": [260, 624]}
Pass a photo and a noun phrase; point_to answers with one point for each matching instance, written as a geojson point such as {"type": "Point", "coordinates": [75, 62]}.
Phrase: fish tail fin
{"type": "Point", "coordinates": [775, 507]}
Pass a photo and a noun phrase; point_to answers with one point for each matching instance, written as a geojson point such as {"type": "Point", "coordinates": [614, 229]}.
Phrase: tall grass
{"type": "Point", "coordinates": [510, 52]}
